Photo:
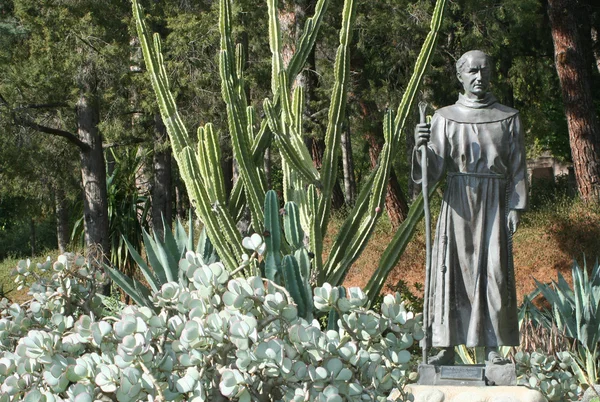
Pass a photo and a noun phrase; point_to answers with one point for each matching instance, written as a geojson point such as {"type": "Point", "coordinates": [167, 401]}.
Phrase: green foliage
{"type": "Point", "coordinates": [215, 338]}
{"type": "Point", "coordinates": [15, 234]}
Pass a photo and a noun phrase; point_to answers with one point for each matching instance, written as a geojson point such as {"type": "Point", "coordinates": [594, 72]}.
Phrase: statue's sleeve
{"type": "Point", "coordinates": [436, 151]}
{"type": "Point", "coordinates": [518, 196]}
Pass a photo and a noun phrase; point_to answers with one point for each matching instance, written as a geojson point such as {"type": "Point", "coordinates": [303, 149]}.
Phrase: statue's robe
{"type": "Point", "coordinates": [479, 145]}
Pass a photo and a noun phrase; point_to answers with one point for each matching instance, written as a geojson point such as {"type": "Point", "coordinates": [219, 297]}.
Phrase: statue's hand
{"type": "Point", "coordinates": [422, 134]}
{"type": "Point", "coordinates": [513, 220]}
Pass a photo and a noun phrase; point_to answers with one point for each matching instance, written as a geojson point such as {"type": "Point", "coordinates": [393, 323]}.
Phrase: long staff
{"type": "Point", "coordinates": [425, 189]}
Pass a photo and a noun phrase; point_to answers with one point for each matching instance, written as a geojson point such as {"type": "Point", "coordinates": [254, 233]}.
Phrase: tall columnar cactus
{"type": "Point", "coordinates": [310, 189]}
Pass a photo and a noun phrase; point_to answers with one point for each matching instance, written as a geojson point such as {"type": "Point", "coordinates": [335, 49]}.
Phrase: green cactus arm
{"type": "Point", "coordinates": [315, 235]}
{"type": "Point", "coordinates": [300, 195]}
{"type": "Point", "coordinates": [340, 260]}
{"type": "Point", "coordinates": [292, 116]}
{"type": "Point", "coordinates": [303, 260]}
{"type": "Point", "coordinates": [261, 142]}
{"type": "Point", "coordinates": [294, 285]}
{"type": "Point", "coordinates": [272, 236]}
{"type": "Point", "coordinates": [209, 155]}
{"type": "Point", "coordinates": [336, 115]}
{"type": "Point", "coordinates": [250, 118]}
{"type": "Point", "coordinates": [398, 244]}
{"type": "Point", "coordinates": [292, 146]}
{"type": "Point", "coordinates": [237, 199]}
{"type": "Point", "coordinates": [289, 148]}
{"type": "Point", "coordinates": [420, 66]}
{"type": "Point", "coordinates": [352, 240]}
{"type": "Point", "coordinates": [239, 68]}
{"type": "Point", "coordinates": [253, 185]}
{"type": "Point", "coordinates": [347, 232]}
{"type": "Point", "coordinates": [395, 249]}
{"type": "Point", "coordinates": [182, 151]}
{"type": "Point", "coordinates": [274, 44]}
{"type": "Point", "coordinates": [234, 97]}
{"type": "Point", "coordinates": [166, 102]}
{"type": "Point", "coordinates": [203, 164]}
{"type": "Point", "coordinates": [225, 18]}
{"type": "Point", "coordinates": [229, 252]}
{"type": "Point", "coordinates": [307, 40]}
{"type": "Point", "coordinates": [291, 226]}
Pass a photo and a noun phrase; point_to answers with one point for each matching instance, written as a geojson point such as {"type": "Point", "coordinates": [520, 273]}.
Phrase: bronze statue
{"type": "Point", "coordinates": [479, 145]}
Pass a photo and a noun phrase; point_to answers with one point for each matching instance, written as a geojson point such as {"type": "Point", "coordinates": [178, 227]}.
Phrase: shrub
{"type": "Point", "coordinates": [216, 339]}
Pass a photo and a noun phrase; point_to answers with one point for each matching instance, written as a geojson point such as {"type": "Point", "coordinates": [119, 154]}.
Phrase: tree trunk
{"type": "Point", "coordinates": [62, 219]}
{"type": "Point", "coordinates": [181, 203]}
{"type": "Point", "coordinates": [162, 181]}
{"type": "Point", "coordinates": [93, 176]}
{"type": "Point", "coordinates": [348, 166]}
{"type": "Point", "coordinates": [571, 34]}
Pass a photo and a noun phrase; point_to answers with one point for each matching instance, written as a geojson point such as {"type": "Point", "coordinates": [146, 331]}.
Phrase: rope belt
{"type": "Point", "coordinates": [482, 175]}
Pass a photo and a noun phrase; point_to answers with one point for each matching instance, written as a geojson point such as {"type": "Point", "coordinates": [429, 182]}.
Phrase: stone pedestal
{"type": "Point", "coordinates": [471, 375]}
{"type": "Point", "coordinates": [449, 393]}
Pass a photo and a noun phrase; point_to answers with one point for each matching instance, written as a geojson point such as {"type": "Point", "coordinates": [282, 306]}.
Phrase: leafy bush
{"type": "Point", "coordinates": [215, 339]}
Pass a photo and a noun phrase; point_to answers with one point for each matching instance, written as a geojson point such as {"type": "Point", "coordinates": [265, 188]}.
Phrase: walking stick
{"type": "Point", "coordinates": [425, 189]}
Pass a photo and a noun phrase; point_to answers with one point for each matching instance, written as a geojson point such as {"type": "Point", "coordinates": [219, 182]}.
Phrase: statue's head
{"type": "Point", "coordinates": [474, 71]}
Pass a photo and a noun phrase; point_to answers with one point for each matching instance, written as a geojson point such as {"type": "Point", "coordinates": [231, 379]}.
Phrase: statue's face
{"type": "Point", "coordinates": [475, 76]}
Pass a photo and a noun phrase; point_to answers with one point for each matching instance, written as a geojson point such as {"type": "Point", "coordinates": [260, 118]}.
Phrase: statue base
{"type": "Point", "coordinates": [468, 375]}
{"type": "Point", "coordinates": [449, 393]}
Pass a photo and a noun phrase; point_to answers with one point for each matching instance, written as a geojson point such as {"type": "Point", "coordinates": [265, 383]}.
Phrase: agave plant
{"type": "Point", "coordinates": [163, 258]}
{"type": "Point", "coordinates": [576, 313]}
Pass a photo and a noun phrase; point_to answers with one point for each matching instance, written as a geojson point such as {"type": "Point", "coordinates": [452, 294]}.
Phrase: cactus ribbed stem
{"type": "Point", "coordinates": [336, 115]}
{"type": "Point", "coordinates": [182, 150]}
{"type": "Point", "coordinates": [340, 259]}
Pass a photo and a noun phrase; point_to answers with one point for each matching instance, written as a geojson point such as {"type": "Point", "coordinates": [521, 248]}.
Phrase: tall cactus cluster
{"type": "Point", "coordinates": [309, 189]}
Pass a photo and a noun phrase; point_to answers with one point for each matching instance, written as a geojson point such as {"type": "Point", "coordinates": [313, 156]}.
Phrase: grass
{"type": "Point", "coordinates": [8, 288]}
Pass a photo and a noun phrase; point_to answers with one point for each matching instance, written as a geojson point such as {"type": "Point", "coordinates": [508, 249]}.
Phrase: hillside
{"type": "Point", "coordinates": [546, 243]}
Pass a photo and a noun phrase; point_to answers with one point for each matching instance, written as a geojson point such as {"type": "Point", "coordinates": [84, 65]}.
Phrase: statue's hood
{"type": "Point", "coordinates": [486, 110]}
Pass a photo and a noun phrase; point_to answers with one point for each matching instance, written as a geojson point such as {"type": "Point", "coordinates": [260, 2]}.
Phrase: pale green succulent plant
{"type": "Point", "coordinates": [213, 338]}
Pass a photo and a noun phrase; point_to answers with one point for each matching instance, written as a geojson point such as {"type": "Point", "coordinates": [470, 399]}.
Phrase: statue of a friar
{"type": "Point", "coordinates": [478, 144]}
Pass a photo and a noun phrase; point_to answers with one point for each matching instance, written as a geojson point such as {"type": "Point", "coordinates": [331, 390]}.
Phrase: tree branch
{"type": "Point", "coordinates": [72, 138]}
{"type": "Point", "coordinates": [44, 106]}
